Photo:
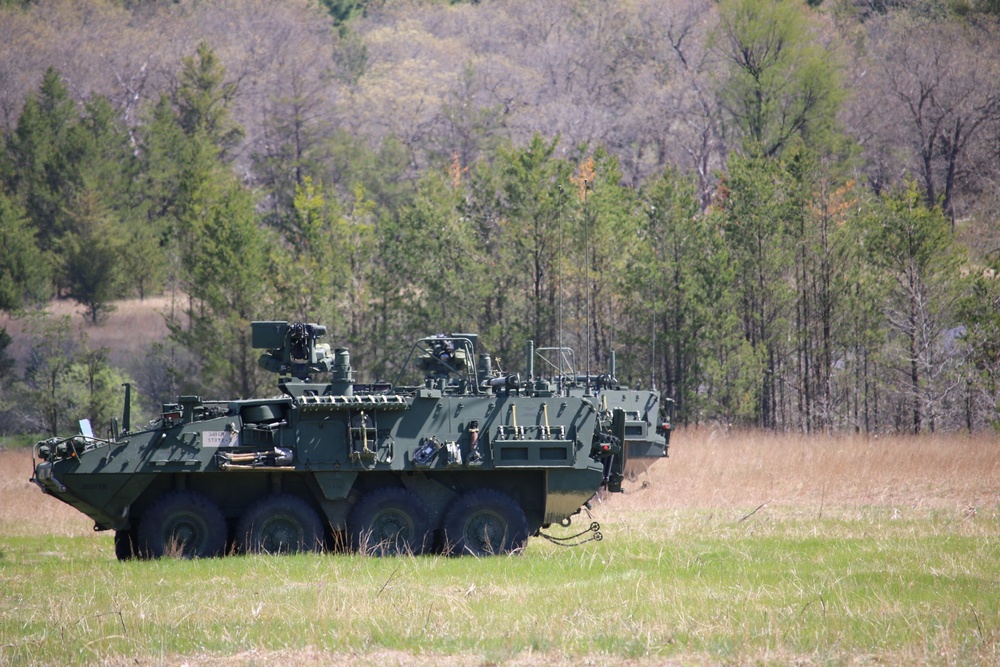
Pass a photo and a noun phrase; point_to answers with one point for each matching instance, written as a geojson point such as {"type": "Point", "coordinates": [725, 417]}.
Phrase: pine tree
{"type": "Point", "coordinates": [202, 100]}
{"type": "Point", "coordinates": [912, 246]}
{"type": "Point", "coordinates": [90, 257]}
{"type": "Point", "coordinates": [756, 213]}
{"type": "Point", "coordinates": [53, 351]}
{"type": "Point", "coordinates": [603, 246]}
{"type": "Point", "coordinates": [24, 271]}
{"type": "Point", "coordinates": [519, 205]}
{"type": "Point", "coordinates": [433, 277]}
{"type": "Point", "coordinates": [980, 312]}
{"type": "Point", "coordinates": [41, 149]}
{"type": "Point", "coordinates": [229, 286]}
{"type": "Point", "coordinates": [677, 288]}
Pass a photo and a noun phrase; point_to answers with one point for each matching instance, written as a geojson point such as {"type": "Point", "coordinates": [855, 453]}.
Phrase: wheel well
{"type": "Point", "coordinates": [235, 492]}
{"type": "Point", "coordinates": [232, 492]}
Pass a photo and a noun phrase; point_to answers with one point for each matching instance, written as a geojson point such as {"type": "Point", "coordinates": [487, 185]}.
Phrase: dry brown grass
{"type": "Point", "coordinates": [706, 470]}
{"type": "Point", "coordinates": [132, 327]}
{"type": "Point", "coordinates": [711, 469]}
{"type": "Point", "coordinates": [25, 510]}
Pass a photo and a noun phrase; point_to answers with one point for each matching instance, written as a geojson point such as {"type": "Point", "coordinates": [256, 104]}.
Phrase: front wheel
{"type": "Point", "coordinates": [485, 522]}
{"type": "Point", "coordinates": [185, 524]}
{"type": "Point", "coordinates": [280, 524]}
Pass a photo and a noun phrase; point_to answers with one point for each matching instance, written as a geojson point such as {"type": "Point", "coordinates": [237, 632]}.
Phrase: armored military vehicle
{"type": "Point", "coordinates": [648, 417]}
{"type": "Point", "coordinates": [466, 460]}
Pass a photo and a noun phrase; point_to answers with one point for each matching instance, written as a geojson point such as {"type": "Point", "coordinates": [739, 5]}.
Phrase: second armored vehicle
{"type": "Point", "coordinates": [648, 416]}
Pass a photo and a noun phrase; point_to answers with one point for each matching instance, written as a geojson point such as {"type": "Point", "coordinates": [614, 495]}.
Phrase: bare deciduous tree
{"type": "Point", "coordinates": [931, 94]}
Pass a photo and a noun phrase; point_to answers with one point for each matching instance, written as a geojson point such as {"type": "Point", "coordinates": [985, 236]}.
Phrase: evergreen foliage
{"type": "Point", "coordinates": [911, 247]}
{"type": "Point", "coordinates": [202, 99]}
{"type": "Point", "coordinates": [42, 150]}
{"type": "Point", "coordinates": [24, 276]}
{"type": "Point", "coordinates": [676, 309]}
{"type": "Point", "coordinates": [90, 254]}
{"type": "Point", "coordinates": [774, 291]}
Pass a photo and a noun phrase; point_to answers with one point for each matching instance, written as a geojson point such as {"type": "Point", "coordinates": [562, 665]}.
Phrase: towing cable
{"type": "Point", "coordinates": [594, 528]}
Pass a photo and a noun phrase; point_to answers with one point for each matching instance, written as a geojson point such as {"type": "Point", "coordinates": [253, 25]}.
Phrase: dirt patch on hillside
{"type": "Point", "coordinates": [130, 329]}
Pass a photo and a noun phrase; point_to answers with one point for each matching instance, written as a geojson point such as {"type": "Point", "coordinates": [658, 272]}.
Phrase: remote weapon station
{"type": "Point", "coordinates": [467, 461]}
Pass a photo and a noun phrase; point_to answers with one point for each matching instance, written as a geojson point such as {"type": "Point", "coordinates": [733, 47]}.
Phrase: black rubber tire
{"type": "Point", "coordinates": [185, 524]}
{"type": "Point", "coordinates": [282, 524]}
{"type": "Point", "coordinates": [390, 521]}
{"type": "Point", "coordinates": [485, 522]}
{"type": "Point", "coordinates": [126, 544]}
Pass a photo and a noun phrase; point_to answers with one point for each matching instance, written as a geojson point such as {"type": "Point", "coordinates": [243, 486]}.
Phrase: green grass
{"type": "Point", "coordinates": [872, 585]}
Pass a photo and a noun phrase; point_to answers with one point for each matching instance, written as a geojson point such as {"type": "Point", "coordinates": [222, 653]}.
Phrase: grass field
{"type": "Point", "coordinates": [740, 549]}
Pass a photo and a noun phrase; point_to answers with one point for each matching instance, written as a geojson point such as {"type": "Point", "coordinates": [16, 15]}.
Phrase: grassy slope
{"type": "Point", "coordinates": [742, 549]}
{"type": "Point", "coordinates": [126, 333]}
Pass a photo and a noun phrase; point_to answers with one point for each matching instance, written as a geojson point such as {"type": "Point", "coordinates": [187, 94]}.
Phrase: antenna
{"type": "Point", "coordinates": [652, 357]}
{"type": "Point", "coordinates": [559, 287]}
{"type": "Point", "coordinates": [586, 267]}
{"type": "Point", "coordinates": [652, 323]}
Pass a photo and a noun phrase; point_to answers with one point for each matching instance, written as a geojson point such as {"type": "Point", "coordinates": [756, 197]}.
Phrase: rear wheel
{"type": "Point", "coordinates": [485, 522]}
{"type": "Point", "coordinates": [280, 524]}
{"type": "Point", "coordinates": [185, 524]}
{"type": "Point", "coordinates": [390, 521]}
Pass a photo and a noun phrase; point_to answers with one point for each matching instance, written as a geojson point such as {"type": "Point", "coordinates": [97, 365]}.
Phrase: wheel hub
{"type": "Point", "coordinates": [186, 533]}
{"type": "Point", "coordinates": [486, 529]}
{"type": "Point", "coordinates": [390, 527]}
{"type": "Point", "coordinates": [280, 534]}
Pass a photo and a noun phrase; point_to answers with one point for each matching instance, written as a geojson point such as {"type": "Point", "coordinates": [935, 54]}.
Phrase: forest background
{"type": "Point", "coordinates": [782, 214]}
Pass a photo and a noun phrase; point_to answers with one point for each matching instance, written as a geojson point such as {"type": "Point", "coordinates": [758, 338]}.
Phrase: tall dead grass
{"type": "Point", "coordinates": [712, 469]}
{"type": "Point", "coordinates": [706, 470]}
{"type": "Point", "coordinates": [25, 510]}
